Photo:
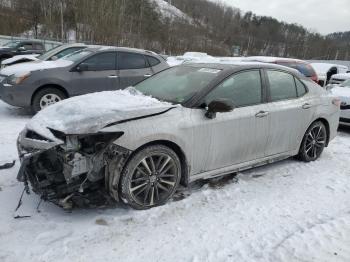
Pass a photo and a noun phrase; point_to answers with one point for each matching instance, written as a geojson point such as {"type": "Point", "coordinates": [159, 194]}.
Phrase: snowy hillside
{"type": "Point", "coordinates": [169, 11]}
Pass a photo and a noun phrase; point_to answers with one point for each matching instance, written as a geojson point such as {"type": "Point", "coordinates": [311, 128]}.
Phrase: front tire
{"type": "Point", "coordinates": [313, 143]}
{"type": "Point", "coordinates": [46, 97]}
{"type": "Point", "coordinates": [151, 177]}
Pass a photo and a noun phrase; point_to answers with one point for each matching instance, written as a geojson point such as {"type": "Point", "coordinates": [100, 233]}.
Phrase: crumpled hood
{"type": "Point", "coordinates": [90, 113]}
{"type": "Point", "coordinates": [33, 66]}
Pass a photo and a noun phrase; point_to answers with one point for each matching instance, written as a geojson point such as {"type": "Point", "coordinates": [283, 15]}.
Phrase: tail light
{"type": "Point", "coordinates": [336, 102]}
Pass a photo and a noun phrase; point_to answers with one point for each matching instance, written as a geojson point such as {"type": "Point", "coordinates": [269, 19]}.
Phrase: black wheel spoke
{"type": "Point", "coordinates": [166, 175]}
{"type": "Point", "coordinates": [140, 191]}
{"type": "Point", "coordinates": [162, 187]}
{"type": "Point", "coordinates": [137, 187]}
{"type": "Point", "coordinates": [144, 163]}
{"type": "Point", "coordinates": [153, 168]}
{"type": "Point", "coordinates": [164, 164]}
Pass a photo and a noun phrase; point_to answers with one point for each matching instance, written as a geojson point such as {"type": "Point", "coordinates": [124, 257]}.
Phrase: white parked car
{"type": "Point", "coordinates": [343, 92]}
{"type": "Point", "coordinates": [339, 78]}
{"type": "Point", "coordinates": [186, 123]}
{"type": "Point", "coordinates": [325, 71]}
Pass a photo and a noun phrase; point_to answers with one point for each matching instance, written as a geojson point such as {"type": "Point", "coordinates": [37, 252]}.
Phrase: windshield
{"type": "Point", "coordinates": [177, 84]}
{"type": "Point", "coordinates": [11, 44]}
{"type": "Point", "coordinates": [49, 53]}
{"type": "Point", "coordinates": [76, 56]}
{"type": "Point", "coordinates": [346, 83]}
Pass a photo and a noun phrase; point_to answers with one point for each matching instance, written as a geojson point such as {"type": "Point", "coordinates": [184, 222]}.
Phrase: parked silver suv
{"type": "Point", "coordinates": [40, 84]}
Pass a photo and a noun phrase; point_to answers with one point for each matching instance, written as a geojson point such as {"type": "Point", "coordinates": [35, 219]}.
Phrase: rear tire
{"type": "Point", "coordinates": [151, 177]}
{"type": "Point", "coordinates": [46, 97]}
{"type": "Point", "coordinates": [313, 143]}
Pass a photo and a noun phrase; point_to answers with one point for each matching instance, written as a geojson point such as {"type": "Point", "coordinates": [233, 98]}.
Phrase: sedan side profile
{"type": "Point", "coordinates": [85, 71]}
{"type": "Point", "coordinates": [190, 122]}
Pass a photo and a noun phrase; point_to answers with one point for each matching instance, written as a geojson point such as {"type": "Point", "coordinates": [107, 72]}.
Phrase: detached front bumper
{"type": "Point", "coordinates": [62, 171]}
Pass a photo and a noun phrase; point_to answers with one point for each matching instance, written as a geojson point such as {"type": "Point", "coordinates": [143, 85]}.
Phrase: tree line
{"type": "Point", "coordinates": [214, 28]}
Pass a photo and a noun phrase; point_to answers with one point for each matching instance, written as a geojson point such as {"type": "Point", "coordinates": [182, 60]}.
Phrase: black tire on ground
{"type": "Point", "coordinates": [55, 94]}
{"type": "Point", "coordinates": [313, 143]}
{"type": "Point", "coordinates": [151, 177]}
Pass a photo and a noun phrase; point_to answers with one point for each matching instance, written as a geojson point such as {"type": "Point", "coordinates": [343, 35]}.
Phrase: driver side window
{"type": "Point", "coordinates": [243, 89]}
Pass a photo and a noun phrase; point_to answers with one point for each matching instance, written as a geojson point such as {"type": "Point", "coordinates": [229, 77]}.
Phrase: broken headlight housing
{"type": "Point", "coordinates": [84, 154]}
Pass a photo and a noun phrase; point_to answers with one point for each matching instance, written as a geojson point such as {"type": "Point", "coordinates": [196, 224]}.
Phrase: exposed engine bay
{"type": "Point", "coordinates": [83, 170]}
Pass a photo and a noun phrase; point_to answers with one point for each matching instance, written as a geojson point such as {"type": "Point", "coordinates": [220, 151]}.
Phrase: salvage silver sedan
{"type": "Point", "coordinates": [186, 123]}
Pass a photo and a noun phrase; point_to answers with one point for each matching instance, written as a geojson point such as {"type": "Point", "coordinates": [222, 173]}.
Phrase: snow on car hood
{"type": "Point", "coordinates": [19, 57]}
{"type": "Point", "coordinates": [33, 66]}
{"type": "Point", "coordinates": [90, 113]}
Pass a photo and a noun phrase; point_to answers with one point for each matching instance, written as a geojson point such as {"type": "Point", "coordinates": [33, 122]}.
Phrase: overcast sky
{"type": "Point", "coordinates": [324, 16]}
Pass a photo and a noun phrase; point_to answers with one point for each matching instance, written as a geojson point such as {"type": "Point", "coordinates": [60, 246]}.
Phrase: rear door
{"type": "Point", "coordinates": [99, 75]}
{"type": "Point", "coordinates": [132, 69]}
{"type": "Point", "coordinates": [290, 111]}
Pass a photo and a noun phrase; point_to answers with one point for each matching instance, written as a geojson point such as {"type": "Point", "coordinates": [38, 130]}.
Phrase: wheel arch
{"type": "Point", "coordinates": [58, 87]}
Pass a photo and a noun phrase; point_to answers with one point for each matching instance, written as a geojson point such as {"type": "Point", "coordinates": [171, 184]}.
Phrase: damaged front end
{"type": "Point", "coordinates": [74, 170]}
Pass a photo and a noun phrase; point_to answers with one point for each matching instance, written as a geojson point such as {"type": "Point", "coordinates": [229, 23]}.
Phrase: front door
{"type": "Point", "coordinates": [99, 74]}
{"type": "Point", "coordinates": [233, 137]}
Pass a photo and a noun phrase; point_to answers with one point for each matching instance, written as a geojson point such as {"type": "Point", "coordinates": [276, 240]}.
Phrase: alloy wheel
{"type": "Point", "coordinates": [49, 99]}
{"type": "Point", "coordinates": [153, 180]}
{"type": "Point", "coordinates": [315, 141]}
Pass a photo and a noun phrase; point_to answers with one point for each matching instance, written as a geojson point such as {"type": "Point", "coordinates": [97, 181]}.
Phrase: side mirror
{"type": "Point", "coordinates": [82, 67]}
{"type": "Point", "coordinates": [219, 106]}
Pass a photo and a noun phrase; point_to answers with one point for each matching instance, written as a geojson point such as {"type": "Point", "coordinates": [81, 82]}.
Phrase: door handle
{"type": "Point", "coordinates": [306, 106]}
{"type": "Point", "coordinates": [112, 76]}
{"type": "Point", "coordinates": [262, 114]}
{"type": "Point", "coordinates": [147, 75]}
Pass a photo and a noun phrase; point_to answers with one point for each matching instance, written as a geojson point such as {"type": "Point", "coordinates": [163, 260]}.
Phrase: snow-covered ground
{"type": "Point", "coordinates": [288, 211]}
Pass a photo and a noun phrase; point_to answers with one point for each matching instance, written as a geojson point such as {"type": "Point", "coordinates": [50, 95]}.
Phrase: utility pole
{"type": "Point", "coordinates": [62, 30]}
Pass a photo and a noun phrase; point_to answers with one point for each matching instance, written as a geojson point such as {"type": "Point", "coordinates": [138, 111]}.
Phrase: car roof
{"type": "Point", "coordinates": [236, 66]}
{"type": "Point", "coordinates": [98, 48]}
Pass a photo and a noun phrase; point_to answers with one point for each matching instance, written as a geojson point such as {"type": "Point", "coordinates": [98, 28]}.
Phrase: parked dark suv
{"type": "Point", "coordinates": [40, 84]}
{"type": "Point", "coordinates": [20, 47]}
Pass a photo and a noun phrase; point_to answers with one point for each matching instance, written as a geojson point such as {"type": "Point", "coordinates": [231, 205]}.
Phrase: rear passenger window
{"type": "Point", "coordinates": [101, 62]}
{"type": "Point", "coordinates": [131, 61]}
{"type": "Point", "coordinates": [282, 85]}
{"type": "Point", "coordinates": [243, 89]}
{"type": "Point", "coordinates": [152, 60]}
{"type": "Point", "coordinates": [300, 87]}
